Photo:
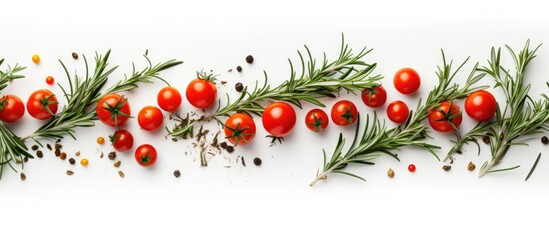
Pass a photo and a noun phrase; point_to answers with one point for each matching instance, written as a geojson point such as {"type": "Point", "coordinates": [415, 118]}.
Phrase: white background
{"type": "Point", "coordinates": [272, 201]}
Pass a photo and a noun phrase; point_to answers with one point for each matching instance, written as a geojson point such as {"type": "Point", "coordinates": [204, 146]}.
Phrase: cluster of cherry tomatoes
{"type": "Point", "coordinates": [42, 104]}
{"type": "Point", "coordinates": [446, 117]}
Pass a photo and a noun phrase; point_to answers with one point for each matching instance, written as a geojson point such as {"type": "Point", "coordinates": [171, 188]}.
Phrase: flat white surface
{"type": "Point", "coordinates": [273, 201]}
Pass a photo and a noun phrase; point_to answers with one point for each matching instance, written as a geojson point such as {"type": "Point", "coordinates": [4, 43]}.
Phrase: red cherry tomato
{"type": "Point", "coordinates": [11, 108]}
{"type": "Point", "coordinates": [113, 110]}
{"type": "Point", "coordinates": [42, 104]}
{"type": "Point", "coordinates": [169, 99]}
{"type": "Point", "coordinates": [446, 117]}
{"type": "Point", "coordinates": [398, 112]}
{"type": "Point", "coordinates": [122, 140]}
{"type": "Point", "coordinates": [412, 168]}
{"type": "Point", "coordinates": [145, 155]}
{"type": "Point", "coordinates": [240, 129]}
{"type": "Point", "coordinates": [150, 118]}
{"type": "Point", "coordinates": [279, 119]}
{"type": "Point", "coordinates": [201, 92]}
{"type": "Point", "coordinates": [480, 105]}
{"type": "Point", "coordinates": [344, 113]}
{"type": "Point", "coordinates": [316, 120]}
{"type": "Point", "coordinates": [407, 81]}
{"type": "Point", "coordinates": [375, 97]}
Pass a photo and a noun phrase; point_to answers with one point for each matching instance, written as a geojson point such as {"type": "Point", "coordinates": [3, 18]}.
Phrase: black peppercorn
{"type": "Point", "coordinates": [238, 87]}
{"type": "Point", "coordinates": [257, 161]}
{"type": "Point", "coordinates": [249, 59]}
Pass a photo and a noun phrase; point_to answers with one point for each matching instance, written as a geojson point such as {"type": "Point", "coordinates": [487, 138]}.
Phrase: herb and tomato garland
{"type": "Point", "coordinates": [348, 72]}
{"type": "Point", "coordinates": [521, 116]}
{"type": "Point", "coordinates": [377, 139]}
{"type": "Point", "coordinates": [81, 94]}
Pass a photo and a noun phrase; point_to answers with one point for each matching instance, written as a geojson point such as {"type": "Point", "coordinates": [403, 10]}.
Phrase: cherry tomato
{"type": "Point", "coordinates": [412, 168]}
{"type": "Point", "coordinates": [344, 113]}
{"type": "Point", "coordinates": [375, 97]}
{"type": "Point", "coordinates": [240, 129]}
{"type": "Point", "coordinates": [407, 81]}
{"type": "Point", "coordinates": [145, 155]}
{"type": "Point", "coordinates": [480, 105]}
{"type": "Point", "coordinates": [317, 120]}
{"type": "Point", "coordinates": [122, 140]}
{"type": "Point", "coordinates": [169, 99]}
{"type": "Point", "coordinates": [113, 110]}
{"type": "Point", "coordinates": [398, 111]}
{"type": "Point", "coordinates": [446, 117]}
{"type": "Point", "coordinates": [42, 104]}
{"type": "Point", "coordinates": [201, 92]}
{"type": "Point", "coordinates": [50, 80]}
{"type": "Point", "coordinates": [150, 118]}
{"type": "Point", "coordinates": [279, 119]}
{"type": "Point", "coordinates": [11, 108]}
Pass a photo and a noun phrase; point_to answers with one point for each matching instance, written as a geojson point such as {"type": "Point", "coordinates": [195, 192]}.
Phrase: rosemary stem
{"type": "Point", "coordinates": [324, 174]}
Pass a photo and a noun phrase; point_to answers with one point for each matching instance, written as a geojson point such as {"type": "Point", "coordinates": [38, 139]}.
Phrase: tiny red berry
{"type": "Point", "coordinates": [50, 80]}
{"type": "Point", "coordinates": [412, 168]}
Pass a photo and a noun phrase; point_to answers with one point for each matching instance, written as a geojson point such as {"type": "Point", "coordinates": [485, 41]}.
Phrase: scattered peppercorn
{"type": "Point", "coordinates": [84, 162]}
{"type": "Point", "coordinates": [544, 140]}
{"type": "Point", "coordinates": [486, 139]}
{"type": "Point", "coordinates": [100, 140]}
{"type": "Point", "coordinates": [249, 59]}
{"type": "Point", "coordinates": [390, 173]}
{"type": "Point", "coordinates": [223, 145]}
{"type": "Point", "coordinates": [63, 156]}
{"type": "Point", "coordinates": [239, 68]}
{"type": "Point", "coordinates": [117, 164]}
{"type": "Point", "coordinates": [177, 173]}
{"type": "Point", "coordinates": [72, 161]}
{"type": "Point", "coordinates": [39, 154]}
{"type": "Point", "coordinates": [77, 154]}
{"type": "Point", "coordinates": [446, 168]}
{"type": "Point", "coordinates": [35, 58]}
{"type": "Point", "coordinates": [23, 177]}
{"type": "Point", "coordinates": [34, 147]}
{"type": "Point", "coordinates": [121, 174]}
{"type": "Point", "coordinates": [412, 168]}
{"type": "Point", "coordinates": [70, 173]}
{"type": "Point", "coordinates": [74, 55]}
{"type": "Point", "coordinates": [48, 146]}
{"type": "Point", "coordinates": [58, 146]}
{"type": "Point", "coordinates": [26, 159]}
{"type": "Point", "coordinates": [239, 87]}
{"type": "Point", "coordinates": [257, 161]}
{"type": "Point", "coordinates": [230, 149]}
{"type": "Point", "coordinates": [50, 80]}
{"type": "Point", "coordinates": [112, 155]}
{"type": "Point", "coordinates": [57, 152]}
{"type": "Point", "coordinates": [471, 166]}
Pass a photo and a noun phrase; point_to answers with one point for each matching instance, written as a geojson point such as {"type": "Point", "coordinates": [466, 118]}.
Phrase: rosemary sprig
{"type": "Point", "coordinates": [521, 115]}
{"type": "Point", "coordinates": [348, 72]}
{"type": "Point", "coordinates": [81, 94]}
{"type": "Point", "coordinates": [377, 139]}
{"type": "Point", "coordinates": [9, 74]}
